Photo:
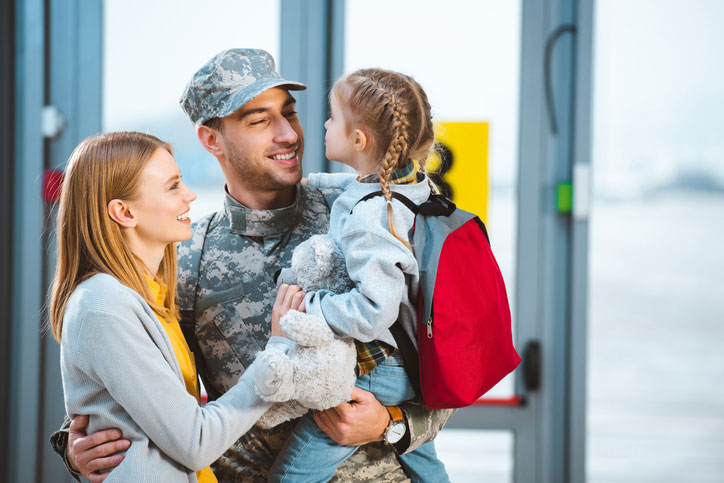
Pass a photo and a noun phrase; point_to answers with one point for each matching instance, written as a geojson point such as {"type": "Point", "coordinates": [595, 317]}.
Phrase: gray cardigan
{"type": "Point", "coordinates": [119, 367]}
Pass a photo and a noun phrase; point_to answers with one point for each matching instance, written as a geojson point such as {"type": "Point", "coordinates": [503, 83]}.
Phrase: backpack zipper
{"type": "Point", "coordinates": [429, 320]}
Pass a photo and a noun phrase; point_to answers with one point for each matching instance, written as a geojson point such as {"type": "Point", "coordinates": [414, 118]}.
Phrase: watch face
{"type": "Point", "coordinates": [395, 432]}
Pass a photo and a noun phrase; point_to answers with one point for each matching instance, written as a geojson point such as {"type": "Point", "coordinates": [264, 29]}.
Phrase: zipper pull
{"type": "Point", "coordinates": [429, 328]}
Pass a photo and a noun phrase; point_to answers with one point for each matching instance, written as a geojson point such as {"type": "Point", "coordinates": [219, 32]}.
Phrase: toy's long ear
{"type": "Point", "coordinates": [324, 251]}
{"type": "Point", "coordinates": [272, 364]}
{"type": "Point", "coordinates": [306, 330]}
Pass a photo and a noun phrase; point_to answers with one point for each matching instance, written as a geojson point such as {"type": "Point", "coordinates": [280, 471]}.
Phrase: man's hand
{"type": "Point", "coordinates": [358, 422]}
{"type": "Point", "coordinates": [90, 454]}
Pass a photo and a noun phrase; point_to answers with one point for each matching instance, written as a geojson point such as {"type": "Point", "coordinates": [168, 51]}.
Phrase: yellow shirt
{"type": "Point", "coordinates": [185, 359]}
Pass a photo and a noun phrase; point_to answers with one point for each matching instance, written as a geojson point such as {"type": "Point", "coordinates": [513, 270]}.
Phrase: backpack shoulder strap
{"type": "Point", "coordinates": [409, 355]}
{"type": "Point", "coordinates": [402, 198]}
{"type": "Point", "coordinates": [404, 344]}
{"type": "Point", "coordinates": [435, 205]}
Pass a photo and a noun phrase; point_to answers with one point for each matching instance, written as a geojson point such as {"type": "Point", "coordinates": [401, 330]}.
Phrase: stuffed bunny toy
{"type": "Point", "coordinates": [319, 371]}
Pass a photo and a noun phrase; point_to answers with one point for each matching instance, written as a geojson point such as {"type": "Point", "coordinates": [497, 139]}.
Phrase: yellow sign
{"type": "Point", "coordinates": [460, 165]}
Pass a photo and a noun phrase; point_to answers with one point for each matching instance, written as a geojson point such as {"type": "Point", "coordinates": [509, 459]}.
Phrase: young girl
{"type": "Point", "coordinates": [381, 126]}
{"type": "Point", "coordinates": [124, 360]}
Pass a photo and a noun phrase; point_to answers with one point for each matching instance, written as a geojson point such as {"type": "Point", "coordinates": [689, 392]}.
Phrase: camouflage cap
{"type": "Point", "coordinates": [228, 81]}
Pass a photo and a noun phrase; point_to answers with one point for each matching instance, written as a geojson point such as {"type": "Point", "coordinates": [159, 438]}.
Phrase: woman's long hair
{"type": "Point", "coordinates": [103, 168]}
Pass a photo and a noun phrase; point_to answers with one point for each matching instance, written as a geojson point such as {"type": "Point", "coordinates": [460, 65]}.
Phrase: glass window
{"type": "Point", "coordinates": [656, 405]}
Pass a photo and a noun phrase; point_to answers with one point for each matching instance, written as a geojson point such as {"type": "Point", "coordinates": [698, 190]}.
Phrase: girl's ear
{"type": "Point", "coordinates": [360, 140]}
{"type": "Point", "coordinates": [120, 212]}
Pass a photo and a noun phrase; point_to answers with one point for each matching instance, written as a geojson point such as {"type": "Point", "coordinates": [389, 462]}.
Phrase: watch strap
{"type": "Point", "coordinates": [395, 413]}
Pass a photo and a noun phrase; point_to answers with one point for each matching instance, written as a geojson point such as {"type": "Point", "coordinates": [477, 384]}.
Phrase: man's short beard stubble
{"type": "Point", "coordinates": [261, 180]}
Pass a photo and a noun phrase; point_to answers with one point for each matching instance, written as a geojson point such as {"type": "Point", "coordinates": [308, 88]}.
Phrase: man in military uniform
{"type": "Point", "coordinates": [244, 115]}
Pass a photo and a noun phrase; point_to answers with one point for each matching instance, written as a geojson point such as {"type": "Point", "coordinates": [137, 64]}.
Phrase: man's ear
{"type": "Point", "coordinates": [360, 140]}
{"type": "Point", "coordinates": [210, 139]}
{"type": "Point", "coordinates": [120, 212]}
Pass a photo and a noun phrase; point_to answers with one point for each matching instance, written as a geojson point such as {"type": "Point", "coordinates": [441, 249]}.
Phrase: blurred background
{"type": "Point", "coordinates": [617, 292]}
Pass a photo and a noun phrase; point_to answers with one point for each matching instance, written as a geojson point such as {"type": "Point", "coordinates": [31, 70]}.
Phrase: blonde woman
{"type": "Point", "coordinates": [124, 360]}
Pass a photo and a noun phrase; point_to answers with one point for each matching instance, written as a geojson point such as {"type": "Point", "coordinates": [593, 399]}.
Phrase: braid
{"type": "Point", "coordinates": [423, 168]}
{"type": "Point", "coordinates": [385, 173]}
{"type": "Point", "coordinates": [397, 151]}
{"type": "Point", "coordinates": [425, 134]}
{"type": "Point", "coordinates": [394, 110]}
{"type": "Point", "coordinates": [433, 186]}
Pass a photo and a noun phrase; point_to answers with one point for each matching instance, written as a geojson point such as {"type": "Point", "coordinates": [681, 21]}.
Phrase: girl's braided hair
{"type": "Point", "coordinates": [394, 111]}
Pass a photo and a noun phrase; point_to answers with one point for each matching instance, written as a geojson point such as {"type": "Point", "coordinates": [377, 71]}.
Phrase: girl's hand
{"type": "Point", "coordinates": [304, 181]}
{"type": "Point", "coordinates": [289, 297]}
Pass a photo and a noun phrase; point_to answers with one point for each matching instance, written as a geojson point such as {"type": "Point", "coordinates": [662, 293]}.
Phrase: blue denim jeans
{"type": "Point", "coordinates": [309, 455]}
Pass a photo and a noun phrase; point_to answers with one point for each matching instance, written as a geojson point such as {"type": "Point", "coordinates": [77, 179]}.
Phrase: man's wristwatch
{"type": "Point", "coordinates": [396, 428]}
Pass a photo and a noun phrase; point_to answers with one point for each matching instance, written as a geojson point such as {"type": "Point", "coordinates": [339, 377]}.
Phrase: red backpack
{"type": "Point", "coordinates": [464, 340]}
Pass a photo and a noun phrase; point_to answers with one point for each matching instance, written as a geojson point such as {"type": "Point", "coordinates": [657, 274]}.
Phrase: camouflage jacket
{"type": "Point", "coordinates": [226, 291]}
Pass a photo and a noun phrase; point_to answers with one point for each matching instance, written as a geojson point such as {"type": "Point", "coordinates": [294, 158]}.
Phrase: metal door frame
{"type": "Point", "coordinates": [23, 438]}
{"type": "Point", "coordinates": [7, 167]}
{"type": "Point", "coordinates": [58, 103]}
{"type": "Point", "coordinates": [549, 425]}
{"type": "Point", "coordinates": [312, 52]}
